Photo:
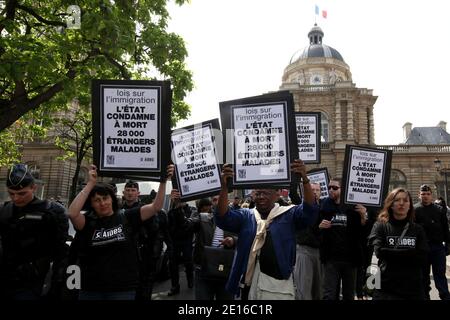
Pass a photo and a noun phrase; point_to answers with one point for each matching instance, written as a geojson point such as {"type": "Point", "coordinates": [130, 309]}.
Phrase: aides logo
{"type": "Point", "coordinates": [104, 236]}
{"type": "Point", "coordinates": [339, 220]}
{"type": "Point", "coordinates": [406, 242]}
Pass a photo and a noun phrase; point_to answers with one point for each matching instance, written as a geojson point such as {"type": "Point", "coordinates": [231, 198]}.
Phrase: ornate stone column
{"type": "Point", "coordinates": [338, 124]}
{"type": "Point", "coordinates": [350, 129]}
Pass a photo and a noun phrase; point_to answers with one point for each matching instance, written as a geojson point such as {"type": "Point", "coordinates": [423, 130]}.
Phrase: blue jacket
{"type": "Point", "coordinates": [283, 229]}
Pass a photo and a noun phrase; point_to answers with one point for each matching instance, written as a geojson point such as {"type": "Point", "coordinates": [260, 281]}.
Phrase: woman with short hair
{"type": "Point", "coordinates": [106, 240]}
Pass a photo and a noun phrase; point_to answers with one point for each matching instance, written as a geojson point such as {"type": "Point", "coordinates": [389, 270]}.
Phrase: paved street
{"type": "Point", "coordinates": [162, 288]}
{"type": "Point", "coordinates": [434, 293]}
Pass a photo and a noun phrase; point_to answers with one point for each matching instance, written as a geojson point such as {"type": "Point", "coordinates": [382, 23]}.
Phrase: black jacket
{"type": "Point", "coordinates": [401, 267]}
{"type": "Point", "coordinates": [177, 229]}
{"type": "Point", "coordinates": [434, 221]}
{"type": "Point", "coordinates": [202, 224]}
{"type": "Point", "coordinates": [32, 237]}
{"type": "Point", "coordinates": [342, 241]}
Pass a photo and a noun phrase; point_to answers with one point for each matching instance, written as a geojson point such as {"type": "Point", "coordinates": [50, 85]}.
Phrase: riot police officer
{"type": "Point", "coordinates": [33, 235]}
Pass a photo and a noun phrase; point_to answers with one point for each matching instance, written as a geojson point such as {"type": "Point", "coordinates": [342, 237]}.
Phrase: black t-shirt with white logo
{"type": "Point", "coordinates": [109, 259]}
{"type": "Point", "coordinates": [400, 260]}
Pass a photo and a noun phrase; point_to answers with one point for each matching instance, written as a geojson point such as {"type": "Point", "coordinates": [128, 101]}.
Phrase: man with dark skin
{"type": "Point", "coordinates": [267, 231]}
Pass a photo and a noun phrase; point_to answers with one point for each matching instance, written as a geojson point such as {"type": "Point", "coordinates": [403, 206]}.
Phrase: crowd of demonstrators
{"type": "Point", "coordinates": [33, 234]}
{"type": "Point", "coordinates": [108, 260]}
{"type": "Point", "coordinates": [265, 252]}
{"type": "Point", "coordinates": [340, 247]}
{"type": "Point", "coordinates": [182, 239]}
{"type": "Point", "coordinates": [309, 251]}
{"type": "Point", "coordinates": [434, 221]}
{"type": "Point", "coordinates": [401, 247]}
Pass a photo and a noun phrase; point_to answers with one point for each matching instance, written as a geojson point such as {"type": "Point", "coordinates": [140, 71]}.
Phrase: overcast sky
{"type": "Point", "coordinates": [400, 49]}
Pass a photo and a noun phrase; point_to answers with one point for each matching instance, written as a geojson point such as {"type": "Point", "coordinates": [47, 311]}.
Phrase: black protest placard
{"type": "Point", "coordinates": [260, 140]}
{"type": "Point", "coordinates": [194, 153]}
{"type": "Point", "coordinates": [365, 176]}
{"type": "Point", "coordinates": [308, 136]}
{"type": "Point", "coordinates": [131, 126]}
{"type": "Point", "coordinates": [321, 177]}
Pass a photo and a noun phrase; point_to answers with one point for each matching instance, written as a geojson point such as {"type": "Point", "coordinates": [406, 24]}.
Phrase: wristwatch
{"type": "Point", "coordinates": [305, 181]}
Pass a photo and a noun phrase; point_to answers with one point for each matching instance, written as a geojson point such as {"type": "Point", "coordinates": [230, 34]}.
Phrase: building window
{"type": "Point", "coordinates": [397, 180]}
{"type": "Point", "coordinates": [324, 128]}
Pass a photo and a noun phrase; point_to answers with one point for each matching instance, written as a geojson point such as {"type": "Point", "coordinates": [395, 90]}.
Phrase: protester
{"type": "Point", "coordinates": [108, 256]}
{"type": "Point", "coordinates": [33, 236]}
{"type": "Point", "coordinates": [340, 247]}
{"type": "Point", "coordinates": [182, 239]}
{"type": "Point", "coordinates": [401, 248]}
{"type": "Point", "coordinates": [208, 237]}
{"type": "Point", "coordinates": [265, 254]}
{"type": "Point", "coordinates": [308, 271]}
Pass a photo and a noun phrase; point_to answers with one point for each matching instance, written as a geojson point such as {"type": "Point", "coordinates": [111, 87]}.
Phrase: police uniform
{"type": "Point", "coordinates": [32, 237]}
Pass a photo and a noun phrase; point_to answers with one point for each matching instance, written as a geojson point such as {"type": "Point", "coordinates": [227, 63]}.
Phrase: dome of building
{"type": "Point", "coordinates": [316, 48]}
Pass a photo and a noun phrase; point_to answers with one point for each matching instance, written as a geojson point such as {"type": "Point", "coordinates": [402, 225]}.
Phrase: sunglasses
{"type": "Point", "coordinates": [333, 187]}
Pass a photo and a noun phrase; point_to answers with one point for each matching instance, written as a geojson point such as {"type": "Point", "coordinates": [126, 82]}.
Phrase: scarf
{"type": "Point", "coordinates": [260, 238]}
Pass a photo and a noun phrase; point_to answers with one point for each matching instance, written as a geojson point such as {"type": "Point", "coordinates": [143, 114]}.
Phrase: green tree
{"type": "Point", "coordinates": [73, 134]}
{"type": "Point", "coordinates": [44, 64]}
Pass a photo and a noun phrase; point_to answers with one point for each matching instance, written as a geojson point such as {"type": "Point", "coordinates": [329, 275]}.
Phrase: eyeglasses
{"type": "Point", "coordinates": [334, 188]}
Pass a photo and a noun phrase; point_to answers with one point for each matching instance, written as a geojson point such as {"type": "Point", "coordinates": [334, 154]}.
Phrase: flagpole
{"type": "Point", "coordinates": [316, 9]}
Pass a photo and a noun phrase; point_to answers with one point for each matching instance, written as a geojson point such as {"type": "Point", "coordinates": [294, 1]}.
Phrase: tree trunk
{"type": "Point", "coordinates": [73, 188]}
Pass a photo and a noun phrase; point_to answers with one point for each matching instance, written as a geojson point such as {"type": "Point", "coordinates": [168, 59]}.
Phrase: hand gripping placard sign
{"type": "Point", "coordinates": [131, 125]}
{"type": "Point", "coordinates": [308, 136]}
{"type": "Point", "coordinates": [197, 171]}
{"type": "Point", "coordinates": [366, 176]}
{"type": "Point", "coordinates": [260, 139]}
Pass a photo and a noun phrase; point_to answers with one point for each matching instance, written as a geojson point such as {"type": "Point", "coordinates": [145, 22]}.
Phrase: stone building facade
{"type": "Point", "coordinates": [320, 81]}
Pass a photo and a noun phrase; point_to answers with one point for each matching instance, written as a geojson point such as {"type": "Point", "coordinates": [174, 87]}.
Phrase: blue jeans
{"type": "Point", "coordinates": [114, 295]}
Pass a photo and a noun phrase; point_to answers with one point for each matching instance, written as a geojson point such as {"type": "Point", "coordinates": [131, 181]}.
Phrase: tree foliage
{"type": "Point", "coordinates": [73, 134]}
{"type": "Point", "coordinates": [45, 64]}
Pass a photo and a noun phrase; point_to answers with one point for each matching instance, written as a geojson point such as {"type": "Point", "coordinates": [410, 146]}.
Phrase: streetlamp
{"type": "Point", "coordinates": [442, 171]}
